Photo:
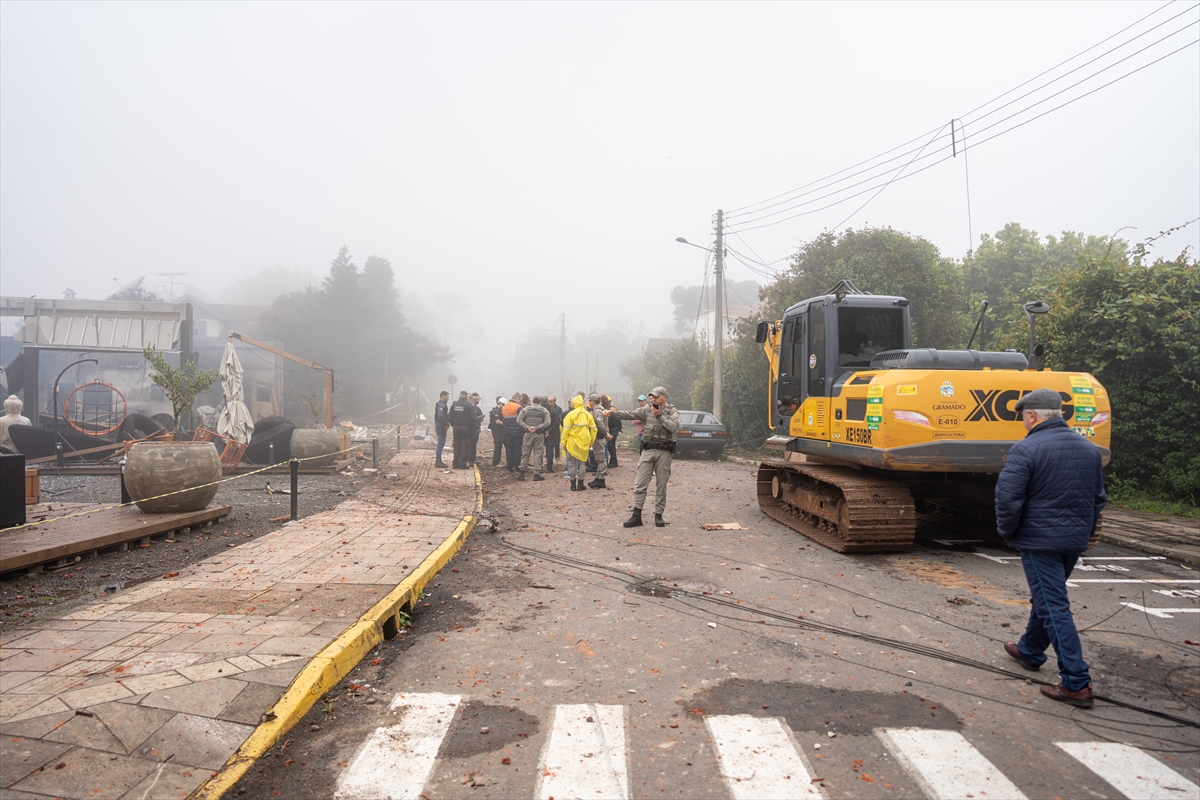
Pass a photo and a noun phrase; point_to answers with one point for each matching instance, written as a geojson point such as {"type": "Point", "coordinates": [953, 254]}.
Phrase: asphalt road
{"type": "Point", "coordinates": [565, 656]}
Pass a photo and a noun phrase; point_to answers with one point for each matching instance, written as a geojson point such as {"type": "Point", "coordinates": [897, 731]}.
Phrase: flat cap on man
{"type": "Point", "coordinates": [1040, 400]}
{"type": "Point", "coordinates": [593, 398]}
{"type": "Point", "coordinates": [658, 391]}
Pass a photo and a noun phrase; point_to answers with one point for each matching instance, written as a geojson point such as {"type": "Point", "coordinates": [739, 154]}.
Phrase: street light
{"type": "Point", "coordinates": [719, 317]}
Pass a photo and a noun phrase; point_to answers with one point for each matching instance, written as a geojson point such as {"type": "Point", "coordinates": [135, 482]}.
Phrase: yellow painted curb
{"type": "Point", "coordinates": [328, 667]}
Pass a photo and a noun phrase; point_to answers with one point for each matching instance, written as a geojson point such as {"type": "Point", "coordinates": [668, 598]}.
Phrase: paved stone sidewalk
{"type": "Point", "coordinates": [149, 691]}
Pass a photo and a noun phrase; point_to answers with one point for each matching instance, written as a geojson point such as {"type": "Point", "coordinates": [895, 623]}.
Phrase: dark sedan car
{"type": "Point", "coordinates": [699, 431]}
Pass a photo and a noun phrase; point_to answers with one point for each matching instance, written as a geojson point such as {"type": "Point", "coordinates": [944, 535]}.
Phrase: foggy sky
{"type": "Point", "coordinates": [512, 154]}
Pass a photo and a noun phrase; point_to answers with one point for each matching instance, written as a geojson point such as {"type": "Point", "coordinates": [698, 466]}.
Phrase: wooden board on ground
{"type": "Point", "coordinates": [64, 536]}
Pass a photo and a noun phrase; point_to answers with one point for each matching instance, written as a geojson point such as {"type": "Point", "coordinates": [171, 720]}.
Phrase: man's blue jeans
{"type": "Point", "coordinates": [441, 444]}
{"type": "Point", "coordinates": [1050, 621]}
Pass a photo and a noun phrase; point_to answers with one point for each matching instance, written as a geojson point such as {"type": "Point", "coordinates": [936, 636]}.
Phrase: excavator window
{"type": "Point", "coordinates": [798, 349]}
{"type": "Point", "coordinates": [865, 332]}
{"type": "Point", "coordinates": [816, 350]}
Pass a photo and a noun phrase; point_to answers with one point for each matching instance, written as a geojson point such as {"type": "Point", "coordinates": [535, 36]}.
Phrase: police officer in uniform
{"type": "Point", "coordinates": [441, 424]}
{"type": "Point", "coordinates": [534, 420]}
{"type": "Point", "coordinates": [601, 443]}
{"type": "Point", "coordinates": [660, 421]}
{"type": "Point", "coordinates": [462, 420]}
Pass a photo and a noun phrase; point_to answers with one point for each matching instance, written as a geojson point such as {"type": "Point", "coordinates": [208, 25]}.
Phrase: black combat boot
{"type": "Point", "coordinates": [658, 521]}
{"type": "Point", "coordinates": [574, 485]}
{"type": "Point", "coordinates": [521, 475]}
{"type": "Point", "coordinates": [537, 476]}
{"type": "Point", "coordinates": [634, 521]}
{"type": "Point", "coordinates": [597, 483]}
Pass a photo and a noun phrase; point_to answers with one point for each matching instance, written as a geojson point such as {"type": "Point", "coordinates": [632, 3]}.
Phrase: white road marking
{"type": "Point", "coordinates": [759, 758]}
{"type": "Point", "coordinates": [1155, 581]}
{"type": "Point", "coordinates": [945, 765]}
{"type": "Point", "coordinates": [584, 755]}
{"type": "Point", "coordinates": [1006, 559]}
{"type": "Point", "coordinates": [1178, 592]}
{"type": "Point", "coordinates": [396, 760]}
{"type": "Point", "coordinates": [1130, 771]}
{"type": "Point", "coordinates": [997, 559]}
{"type": "Point", "coordinates": [1123, 558]}
{"type": "Point", "coordinates": [1162, 613]}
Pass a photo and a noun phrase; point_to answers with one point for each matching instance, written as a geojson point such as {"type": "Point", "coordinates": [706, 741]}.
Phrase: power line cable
{"type": "Point", "coordinates": [975, 144]}
{"type": "Point", "coordinates": [891, 180]}
{"type": "Point", "coordinates": [746, 210]}
{"type": "Point", "coordinates": [758, 215]}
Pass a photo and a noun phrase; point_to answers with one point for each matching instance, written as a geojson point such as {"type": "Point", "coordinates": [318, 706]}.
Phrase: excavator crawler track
{"type": "Point", "coordinates": [840, 507]}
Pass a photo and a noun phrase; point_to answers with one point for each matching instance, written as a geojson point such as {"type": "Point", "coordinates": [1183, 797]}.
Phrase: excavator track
{"type": "Point", "coordinates": [840, 507]}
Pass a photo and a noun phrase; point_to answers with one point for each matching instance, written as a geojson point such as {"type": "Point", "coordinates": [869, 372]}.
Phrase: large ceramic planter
{"type": "Point", "coordinates": [320, 445]}
{"type": "Point", "coordinates": [153, 469]}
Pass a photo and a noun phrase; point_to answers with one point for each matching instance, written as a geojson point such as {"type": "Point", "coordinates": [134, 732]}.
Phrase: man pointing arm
{"type": "Point", "coordinates": [660, 421]}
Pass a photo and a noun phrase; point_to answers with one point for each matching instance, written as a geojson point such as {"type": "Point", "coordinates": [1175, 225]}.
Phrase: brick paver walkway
{"type": "Point", "coordinates": [154, 688]}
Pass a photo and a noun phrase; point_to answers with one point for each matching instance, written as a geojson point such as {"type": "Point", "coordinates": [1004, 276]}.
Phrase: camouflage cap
{"type": "Point", "coordinates": [658, 391]}
{"type": "Point", "coordinates": [1040, 400]}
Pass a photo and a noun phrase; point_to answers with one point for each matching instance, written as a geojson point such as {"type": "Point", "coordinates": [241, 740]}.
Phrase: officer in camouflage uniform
{"type": "Point", "coordinates": [534, 421]}
{"type": "Point", "coordinates": [598, 446]}
{"type": "Point", "coordinates": [659, 421]}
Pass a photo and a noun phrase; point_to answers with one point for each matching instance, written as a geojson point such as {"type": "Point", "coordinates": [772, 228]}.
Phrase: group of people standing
{"type": "Point", "coordinates": [529, 433]}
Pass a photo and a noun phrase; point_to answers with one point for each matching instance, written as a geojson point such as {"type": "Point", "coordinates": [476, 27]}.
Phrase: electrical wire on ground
{"type": "Point", "coordinates": [782, 619]}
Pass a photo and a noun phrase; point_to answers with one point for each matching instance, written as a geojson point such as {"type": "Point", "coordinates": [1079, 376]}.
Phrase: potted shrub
{"type": "Point", "coordinates": [153, 469]}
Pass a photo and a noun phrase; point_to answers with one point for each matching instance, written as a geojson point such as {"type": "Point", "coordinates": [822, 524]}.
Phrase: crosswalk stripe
{"type": "Point", "coordinates": [1130, 771]}
{"type": "Point", "coordinates": [759, 758]}
{"type": "Point", "coordinates": [584, 755]}
{"type": "Point", "coordinates": [396, 760]}
{"type": "Point", "coordinates": [946, 765]}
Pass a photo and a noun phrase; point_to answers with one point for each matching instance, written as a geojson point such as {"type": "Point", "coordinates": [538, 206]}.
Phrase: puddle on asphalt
{"type": "Point", "coordinates": [817, 708]}
{"type": "Point", "coordinates": [505, 725]}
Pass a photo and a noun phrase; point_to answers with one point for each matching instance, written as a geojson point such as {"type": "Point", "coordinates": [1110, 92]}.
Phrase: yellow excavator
{"type": "Point", "coordinates": [875, 432]}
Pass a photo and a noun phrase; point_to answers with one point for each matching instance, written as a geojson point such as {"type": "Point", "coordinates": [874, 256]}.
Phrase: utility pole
{"type": "Point", "coordinates": [719, 319]}
{"type": "Point", "coordinates": [562, 354]}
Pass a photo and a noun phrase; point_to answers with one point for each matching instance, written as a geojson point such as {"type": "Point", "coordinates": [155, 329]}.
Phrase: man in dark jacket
{"type": "Point", "coordinates": [462, 419]}
{"type": "Point", "coordinates": [1048, 502]}
{"type": "Point", "coordinates": [554, 435]}
{"type": "Point", "coordinates": [496, 426]}
{"type": "Point", "coordinates": [441, 424]}
{"type": "Point", "coordinates": [477, 413]}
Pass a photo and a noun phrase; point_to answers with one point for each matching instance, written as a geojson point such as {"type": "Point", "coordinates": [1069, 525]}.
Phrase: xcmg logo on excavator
{"type": "Point", "coordinates": [996, 405]}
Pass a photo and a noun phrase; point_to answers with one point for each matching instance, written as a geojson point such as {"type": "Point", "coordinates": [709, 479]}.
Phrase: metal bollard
{"type": "Point", "coordinates": [271, 453]}
{"type": "Point", "coordinates": [126, 499]}
{"type": "Point", "coordinates": [375, 453]}
{"type": "Point", "coordinates": [295, 465]}
{"type": "Point", "coordinates": [58, 454]}
{"type": "Point", "coordinates": [397, 440]}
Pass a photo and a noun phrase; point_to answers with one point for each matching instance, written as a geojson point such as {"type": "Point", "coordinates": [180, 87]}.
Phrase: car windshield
{"type": "Point", "coordinates": [865, 332]}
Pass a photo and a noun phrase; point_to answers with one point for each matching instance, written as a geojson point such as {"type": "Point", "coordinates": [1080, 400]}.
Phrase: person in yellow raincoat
{"type": "Point", "coordinates": [578, 434]}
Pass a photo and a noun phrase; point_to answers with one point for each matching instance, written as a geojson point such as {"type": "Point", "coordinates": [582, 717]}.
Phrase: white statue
{"type": "Point", "coordinates": [12, 416]}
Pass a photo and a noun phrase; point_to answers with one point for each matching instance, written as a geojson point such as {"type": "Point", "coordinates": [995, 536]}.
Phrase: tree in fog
{"type": "Point", "coordinates": [354, 324]}
{"type": "Point", "coordinates": [880, 261]}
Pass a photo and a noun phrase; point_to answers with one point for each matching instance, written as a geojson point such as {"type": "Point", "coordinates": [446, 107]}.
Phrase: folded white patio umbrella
{"type": "Point", "coordinates": [235, 422]}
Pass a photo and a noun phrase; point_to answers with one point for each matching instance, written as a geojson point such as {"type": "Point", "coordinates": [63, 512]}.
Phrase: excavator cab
{"type": "Point", "coordinates": [824, 340]}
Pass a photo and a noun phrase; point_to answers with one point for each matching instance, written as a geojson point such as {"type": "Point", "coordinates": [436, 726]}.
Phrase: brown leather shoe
{"type": "Point", "coordinates": [1081, 698]}
{"type": "Point", "coordinates": [1011, 649]}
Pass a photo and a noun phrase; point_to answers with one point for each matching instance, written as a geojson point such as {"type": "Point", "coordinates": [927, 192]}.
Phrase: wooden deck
{"type": "Point", "coordinates": [57, 539]}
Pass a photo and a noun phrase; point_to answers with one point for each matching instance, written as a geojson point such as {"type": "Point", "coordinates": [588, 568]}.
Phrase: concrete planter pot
{"type": "Point", "coordinates": [319, 444]}
{"type": "Point", "coordinates": [159, 468]}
